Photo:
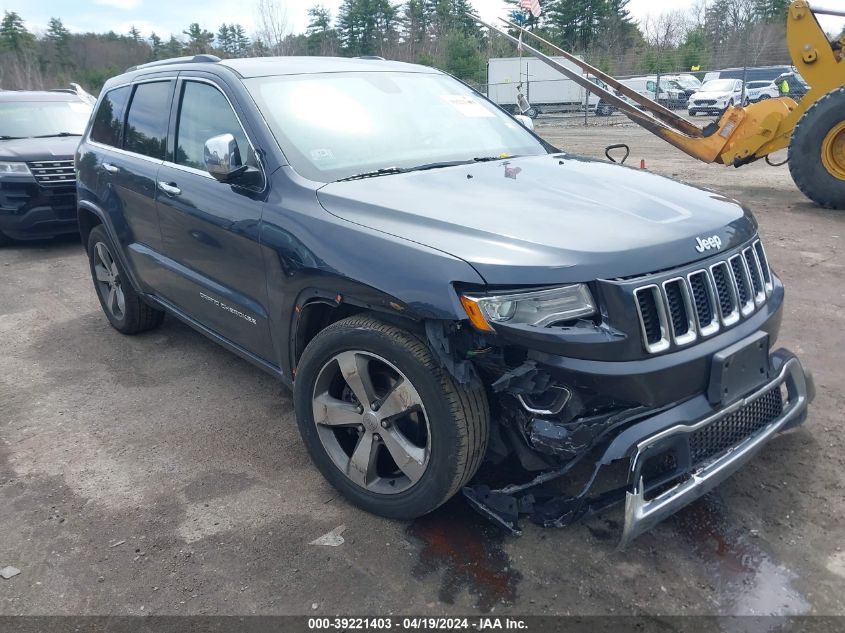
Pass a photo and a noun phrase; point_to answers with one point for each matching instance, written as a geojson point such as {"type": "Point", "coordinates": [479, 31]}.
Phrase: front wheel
{"type": "Point", "coordinates": [817, 152]}
{"type": "Point", "coordinates": [383, 422]}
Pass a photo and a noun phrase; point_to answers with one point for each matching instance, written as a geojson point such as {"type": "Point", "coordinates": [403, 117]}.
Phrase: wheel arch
{"type": "Point", "coordinates": [317, 309]}
{"type": "Point", "coordinates": [89, 216]}
{"type": "Point", "coordinates": [88, 219]}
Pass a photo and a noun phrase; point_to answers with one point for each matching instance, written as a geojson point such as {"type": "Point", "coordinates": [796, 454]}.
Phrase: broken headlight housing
{"type": "Point", "coordinates": [539, 308]}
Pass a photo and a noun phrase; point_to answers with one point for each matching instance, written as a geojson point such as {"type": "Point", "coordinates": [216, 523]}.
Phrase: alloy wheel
{"type": "Point", "coordinates": [371, 422]}
{"type": "Point", "coordinates": [109, 283]}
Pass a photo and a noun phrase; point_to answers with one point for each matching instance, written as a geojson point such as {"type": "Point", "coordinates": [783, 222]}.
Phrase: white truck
{"type": "Point", "coordinates": [546, 89]}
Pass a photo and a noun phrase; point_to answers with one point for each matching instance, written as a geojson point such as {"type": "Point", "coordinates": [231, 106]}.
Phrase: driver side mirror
{"type": "Point", "coordinates": [223, 158]}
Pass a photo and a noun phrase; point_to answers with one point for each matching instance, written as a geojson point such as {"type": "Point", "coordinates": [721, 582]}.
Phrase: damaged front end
{"type": "Point", "coordinates": [583, 418]}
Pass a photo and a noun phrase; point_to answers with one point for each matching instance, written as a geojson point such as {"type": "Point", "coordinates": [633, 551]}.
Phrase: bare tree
{"type": "Point", "coordinates": [273, 25]}
{"type": "Point", "coordinates": [664, 33]}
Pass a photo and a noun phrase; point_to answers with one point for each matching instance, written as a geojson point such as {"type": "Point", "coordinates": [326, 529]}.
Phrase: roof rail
{"type": "Point", "coordinates": [191, 59]}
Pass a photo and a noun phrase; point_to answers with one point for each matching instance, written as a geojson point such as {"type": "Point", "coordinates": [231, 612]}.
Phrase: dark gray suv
{"type": "Point", "coordinates": [439, 286]}
{"type": "Point", "coordinates": [39, 132]}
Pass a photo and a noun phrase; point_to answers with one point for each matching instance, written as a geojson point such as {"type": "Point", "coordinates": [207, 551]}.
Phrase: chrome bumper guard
{"type": "Point", "coordinates": [641, 514]}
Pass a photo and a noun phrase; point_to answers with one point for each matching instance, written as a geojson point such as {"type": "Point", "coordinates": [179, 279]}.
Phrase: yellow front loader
{"type": "Point", "coordinates": [813, 130]}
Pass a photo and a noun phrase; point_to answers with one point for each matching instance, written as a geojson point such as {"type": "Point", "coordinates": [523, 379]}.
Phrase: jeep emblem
{"type": "Point", "coordinates": [708, 243]}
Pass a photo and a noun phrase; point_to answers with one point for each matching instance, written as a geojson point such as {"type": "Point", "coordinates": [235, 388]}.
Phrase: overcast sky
{"type": "Point", "coordinates": [172, 16]}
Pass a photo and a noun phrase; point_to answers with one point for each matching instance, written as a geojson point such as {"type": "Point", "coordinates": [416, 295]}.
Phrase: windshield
{"type": "Point", "coordinates": [336, 125]}
{"type": "Point", "coordinates": [23, 119]}
{"type": "Point", "coordinates": [687, 81]}
{"type": "Point", "coordinates": [719, 85]}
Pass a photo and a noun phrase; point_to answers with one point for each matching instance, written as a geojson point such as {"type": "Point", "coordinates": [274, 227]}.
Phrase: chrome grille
{"type": "Point", "coordinates": [682, 309]}
{"type": "Point", "coordinates": [53, 172]}
{"type": "Point", "coordinates": [714, 439]}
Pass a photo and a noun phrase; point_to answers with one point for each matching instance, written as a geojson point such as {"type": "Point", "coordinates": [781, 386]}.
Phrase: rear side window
{"type": "Point", "coordinates": [146, 123]}
{"type": "Point", "coordinates": [108, 122]}
{"type": "Point", "coordinates": [205, 113]}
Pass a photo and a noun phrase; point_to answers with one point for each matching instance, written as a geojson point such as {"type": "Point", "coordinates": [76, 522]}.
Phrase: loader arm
{"type": "Point", "coordinates": [743, 134]}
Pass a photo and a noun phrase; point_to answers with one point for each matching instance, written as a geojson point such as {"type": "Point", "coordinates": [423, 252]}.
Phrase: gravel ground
{"type": "Point", "coordinates": [161, 475]}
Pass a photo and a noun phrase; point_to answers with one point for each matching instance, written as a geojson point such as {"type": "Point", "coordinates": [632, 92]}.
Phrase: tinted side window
{"type": "Point", "coordinates": [146, 123]}
{"type": "Point", "coordinates": [204, 113]}
{"type": "Point", "coordinates": [108, 122]}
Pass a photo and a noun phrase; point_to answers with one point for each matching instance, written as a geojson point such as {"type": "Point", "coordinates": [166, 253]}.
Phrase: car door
{"type": "Point", "coordinates": [134, 172]}
{"type": "Point", "coordinates": [129, 132]}
{"type": "Point", "coordinates": [209, 228]}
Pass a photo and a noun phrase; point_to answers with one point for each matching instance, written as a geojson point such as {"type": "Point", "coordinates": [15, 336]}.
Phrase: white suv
{"type": "Point", "coordinates": [716, 96]}
{"type": "Point", "coordinates": [760, 90]}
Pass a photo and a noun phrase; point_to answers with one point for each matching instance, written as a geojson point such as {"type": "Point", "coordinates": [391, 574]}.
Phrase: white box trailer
{"type": "Point", "coordinates": [546, 89]}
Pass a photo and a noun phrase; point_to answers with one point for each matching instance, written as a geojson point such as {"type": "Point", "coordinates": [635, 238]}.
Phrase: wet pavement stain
{"type": "Point", "coordinates": [468, 551]}
{"type": "Point", "coordinates": [748, 580]}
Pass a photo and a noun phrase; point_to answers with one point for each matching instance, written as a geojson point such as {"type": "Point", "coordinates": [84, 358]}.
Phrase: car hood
{"type": "Point", "coordinates": [545, 219]}
{"type": "Point", "coordinates": [29, 149]}
{"type": "Point", "coordinates": [712, 94]}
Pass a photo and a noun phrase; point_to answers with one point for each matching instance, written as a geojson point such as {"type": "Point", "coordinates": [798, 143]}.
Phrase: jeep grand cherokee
{"type": "Point", "coordinates": [439, 286]}
{"type": "Point", "coordinates": [39, 132]}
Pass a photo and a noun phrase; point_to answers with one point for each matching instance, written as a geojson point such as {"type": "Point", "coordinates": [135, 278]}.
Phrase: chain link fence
{"type": "Point", "coordinates": [549, 97]}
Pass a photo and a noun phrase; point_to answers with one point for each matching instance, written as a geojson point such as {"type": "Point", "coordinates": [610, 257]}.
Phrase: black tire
{"type": "Point", "coordinates": [532, 113]}
{"type": "Point", "coordinates": [136, 316]}
{"type": "Point", "coordinates": [458, 417]}
{"type": "Point", "coordinates": [763, 97]}
{"type": "Point", "coordinates": [805, 152]}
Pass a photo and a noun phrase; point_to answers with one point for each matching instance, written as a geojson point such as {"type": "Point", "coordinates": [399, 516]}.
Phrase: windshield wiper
{"type": "Point", "coordinates": [3, 137]}
{"type": "Point", "coordinates": [386, 171]}
{"type": "Point", "coordinates": [455, 163]}
{"type": "Point", "coordinates": [58, 134]}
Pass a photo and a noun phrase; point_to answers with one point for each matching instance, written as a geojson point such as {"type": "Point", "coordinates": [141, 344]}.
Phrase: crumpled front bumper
{"type": "Point", "coordinates": [641, 514]}
{"type": "Point", "coordinates": [662, 461]}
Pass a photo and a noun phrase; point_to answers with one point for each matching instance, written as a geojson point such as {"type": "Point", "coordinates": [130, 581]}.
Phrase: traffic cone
{"type": "Point", "coordinates": [642, 163]}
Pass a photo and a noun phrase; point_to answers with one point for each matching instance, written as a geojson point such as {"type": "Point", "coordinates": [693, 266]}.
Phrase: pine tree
{"type": "Point", "coordinates": [156, 47]}
{"type": "Point", "coordinates": [135, 34]}
{"type": "Point", "coordinates": [173, 48]}
{"type": "Point", "coordinates": [56, 32]}
{"type": "Point", "coordinates": [319, 33]}
{"type": "Point", "coordinates": [199, 40]}
{"type": "Point", "coordinates": [240, 40]}
{"type": "Point", "coordinates": [13, 33]}
{"type": "Point", "coordinates": [224, 40]}
{"type": "Point", "coordinates": [365, 27]}
{"type": "Point", "coordinates": [771, 10]}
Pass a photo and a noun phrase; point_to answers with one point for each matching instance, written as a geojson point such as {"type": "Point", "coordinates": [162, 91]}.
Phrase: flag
{"type": "Point", "coordinates": [531, 5]}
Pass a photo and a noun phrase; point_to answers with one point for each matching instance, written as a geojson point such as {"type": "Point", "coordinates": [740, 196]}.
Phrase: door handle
{"type": "Point", "coordinates": [112, 169]}
{"type": "Point", "coordinates": [169, 188]}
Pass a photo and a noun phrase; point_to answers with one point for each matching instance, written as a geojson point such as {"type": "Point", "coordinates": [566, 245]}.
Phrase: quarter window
{"type": "Point", "coordinates": [108, 122]}
{"type": "Point", "coordinates": [146, 123]}
{"type": "Point", "coordinates": [205, 113]}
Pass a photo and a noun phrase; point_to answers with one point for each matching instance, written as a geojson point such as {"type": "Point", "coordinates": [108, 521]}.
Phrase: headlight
{"type": "Point", "coordinates": [13, 168]}
{"type": "Point", "coordinates": [539, 308]}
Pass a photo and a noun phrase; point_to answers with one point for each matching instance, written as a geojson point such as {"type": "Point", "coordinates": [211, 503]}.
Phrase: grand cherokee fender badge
{"type": "Point", "coordinates": [228, 308]}
{"type": "Point", "coordinates": [708, 243]}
